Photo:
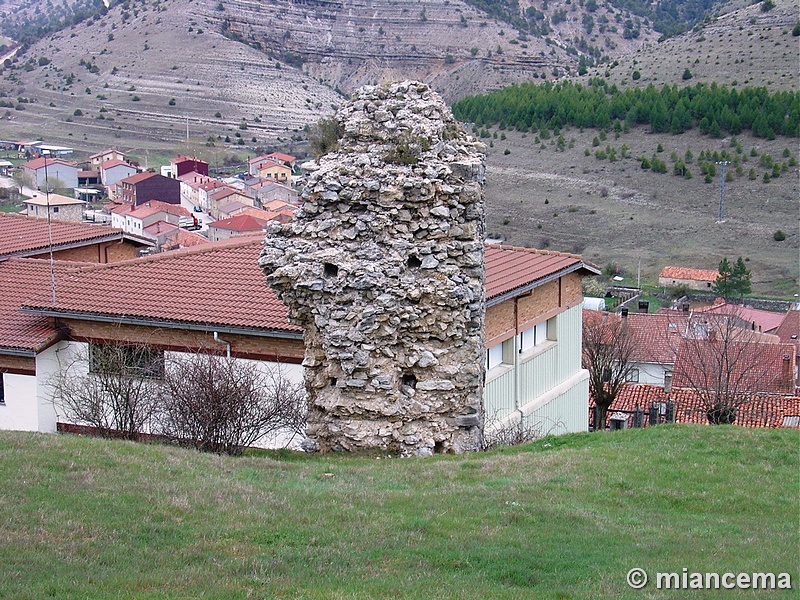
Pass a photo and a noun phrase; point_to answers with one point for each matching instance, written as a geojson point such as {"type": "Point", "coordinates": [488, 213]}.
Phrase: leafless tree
{"type": "Point", "coordinates": [726, 365]}
{"type": "Point", "coordinates": [118, 393]}
{"type": "Point", "coordinates": [221, 404]}
{"type": "Point", "coordinates": [608, 348]}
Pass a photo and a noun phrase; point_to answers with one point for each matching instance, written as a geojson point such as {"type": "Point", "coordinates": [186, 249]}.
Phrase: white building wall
{"type": "Point", "coordinates": [19, 412]}
{"type": "Point", "coordinates": [545, 386]}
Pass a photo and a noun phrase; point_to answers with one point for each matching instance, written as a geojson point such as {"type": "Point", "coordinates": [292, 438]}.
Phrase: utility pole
{"type": "Point", "coordinates": [721, 216]}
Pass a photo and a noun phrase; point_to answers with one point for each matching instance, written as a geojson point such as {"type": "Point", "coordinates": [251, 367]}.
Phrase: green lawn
{"type": "Point", "coordinates": [561, 518]}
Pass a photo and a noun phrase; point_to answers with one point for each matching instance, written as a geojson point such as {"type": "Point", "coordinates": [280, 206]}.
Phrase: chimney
{"type": "Point", "coordinates": [667, 382]}
{"type": "Point", "coordinates": [644, 306]}
{"type": "Point", "coordinates": [624, 312]}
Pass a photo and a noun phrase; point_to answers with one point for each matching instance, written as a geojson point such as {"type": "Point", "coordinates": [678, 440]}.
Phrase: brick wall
{"type": "Point", "coordinates": [182, 340]}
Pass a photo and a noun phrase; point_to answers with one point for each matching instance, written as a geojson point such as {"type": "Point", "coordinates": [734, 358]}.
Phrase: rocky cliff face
{"type": "Point", "coordinates": [383, 267]}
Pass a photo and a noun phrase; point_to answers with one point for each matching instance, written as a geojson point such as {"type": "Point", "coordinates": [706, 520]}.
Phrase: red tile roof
{"type": "Point", "coordinates": [240, 223]}
{"type": "Point", "coordinates": [509, 267]}
{"type": "Point", "coordinates": [38, 163]}
{"type": "Point", "coordinates": [106, 151]}
{"type": "Point", "coordinates": [656, 336]}
{"type": "Point", "coordinates": [690, 274]}
{"type": "Point", "coordinates": [151, 207]}
{"type": "Point", "coordinates": [273, 156]}
{"type": "Point", "coordinates": [25, 236]}
{"type": "Point", "coordinates": [761, 320]}
{"type": "Point", "coordinates": [214, 285]}
{"type": "Point", "coordinates": [789, 329]}
{"type": "Point", "coordinates": [88, 174]}
{"type": "Point", "coordinates": [110, 164]}
{"type": "Point", "coordinates": [22, 278]}
{"type": "Point", "coordinates": [160, 227]}
{"type": "Point", "coordinates": [764, 410]}
{"type": "Point", "coordinates": [746, 365]}
{"type": "Point", "coordinates": [183, 239]}
{"type": "Point", "coordinates": [138, 177]}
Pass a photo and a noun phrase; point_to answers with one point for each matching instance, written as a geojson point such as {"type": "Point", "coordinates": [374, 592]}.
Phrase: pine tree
{"type": "Point", "coordinates": [723, 286]}
{"type": "Point", "coordinates": [740, 278]}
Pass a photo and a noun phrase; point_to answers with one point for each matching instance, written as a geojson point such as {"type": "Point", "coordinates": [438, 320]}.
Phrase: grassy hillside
{"type": "Point", "coordinates": [561, 518]}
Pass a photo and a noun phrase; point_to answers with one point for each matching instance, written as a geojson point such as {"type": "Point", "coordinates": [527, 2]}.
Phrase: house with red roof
{"type": "Point", "coordinates": [54, 168]}
{"type": "Point", "coordinates": [183, 165]}
{"type": "Point", "coordinates": [60, 208]}
{"type": "Point", "coordinates": [136, 219]}
{"type": "Point", "coordinates": [694, 279]}
{"type": "Point", "coordinates": [648, 405]}
{"type": "Point", "coordinates": [271, 168]}
{"type": "Point", "coordinates": [238, 225]}
{"type": "Point", "coordinates": [142, 187]}
{"type": "Point", "coordinates": [109, 154]}
{"type": "Point", "coordinates": [219, 301]}
{"type": "Point", "coordinates": [254, 164]}
{"type": "Point", "coordinates": [265, 191]}
{"type": "Point", "coordinates": [22, 236]}
{"type": "Point", "coordinates": [112, 171]}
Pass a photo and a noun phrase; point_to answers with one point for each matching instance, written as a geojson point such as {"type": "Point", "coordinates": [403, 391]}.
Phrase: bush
{"type": "Point", "coordinates": [171, 102]}
{"type": "Point", "coordinates": [78, 112]}
{"type": "Point", "coordinates": [687, 74]}
{"type": "Point", "coordinates": [636, 76]}
{"type": "Point", "coordinates": [223, 405]}
{"type": "Point", "coordinates": [779, 236]}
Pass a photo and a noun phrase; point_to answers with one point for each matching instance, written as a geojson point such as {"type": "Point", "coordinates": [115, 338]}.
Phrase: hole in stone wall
{"type": "Point", "coordinates": [332, 381]}
{"type": "Point", "coordinates": [409, 380]}
{"type": "Point", "coordinates": [414, 262]}
{"type": "Point", "coordinates": [330, 270]}
{"type": "Point", "coordinates": [438, 448]}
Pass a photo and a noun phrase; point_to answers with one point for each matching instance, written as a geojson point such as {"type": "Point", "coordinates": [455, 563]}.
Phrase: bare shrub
{"type": "Point", "coordinates": [324, 136]}
{"type": "Point", "coordinates": [514, 434]}
{"type": "Point", "coordinates": [118, 395]}
{"type": "Point", "coordinates": [220, 404]}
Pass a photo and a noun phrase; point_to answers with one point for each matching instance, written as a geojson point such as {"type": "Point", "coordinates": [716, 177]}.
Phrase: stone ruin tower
{"type": "Point", "coordinates": [383, 267]}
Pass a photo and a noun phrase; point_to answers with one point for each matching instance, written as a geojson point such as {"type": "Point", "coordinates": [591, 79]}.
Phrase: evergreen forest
{"type": "Point", "coordinates": [715, 110]}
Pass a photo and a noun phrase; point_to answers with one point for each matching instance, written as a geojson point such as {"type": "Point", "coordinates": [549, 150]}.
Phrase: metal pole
{"type": "Point", "coordinates": [49, 229]}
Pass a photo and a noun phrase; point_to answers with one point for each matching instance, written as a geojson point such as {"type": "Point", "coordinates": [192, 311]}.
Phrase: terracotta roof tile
{"type": "Point", "coordinates": [138, 177]}
{"type": "Point", "coordinates": [22, 278]}
{"type": "Point", "coordinates": [216, 284]}
{"type": "Point", "coordinates": [764, 410]}
{"type": "Point", "coordinates": [38, 163]}
{"type": "Point", "coordinates": [240, 223]}
{"type": "Point", "coordinates": [692, 274]}
{"type": "Point", "coordinates": [509, 267]}
{"type": "Point", "coordinates": [762, 320]}
{"type": "Point", "coordinates": [789, 329]}
{"type": "Point", "coordinates": [110, 164]}
{"type": "Point", "coordinates": [151, 207]}
{"type": "Point", "coordinates": [20, 235]}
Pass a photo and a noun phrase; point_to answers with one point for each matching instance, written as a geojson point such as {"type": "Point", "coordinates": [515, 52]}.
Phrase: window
{"type": "Point", "coordinates": [494, 357]}
{"type": "Point", "coordinates": [532, 337]}
{"type": "Point", "coordinates": [134, 361]}
{"type": "Point", "coordinates": [55, 209]}
{"type": "Point", "coordinates": [2, 390]}
{"type": "Point", "coordinates": [633, 376]}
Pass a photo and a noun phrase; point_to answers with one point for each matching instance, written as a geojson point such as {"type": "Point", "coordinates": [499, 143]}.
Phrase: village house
{"type": "Point", "coordinates": [254, 164]}
{"type": "Point", "coordinates": [227, 196]}
{"type": "Point", "coordinates": [55, 168]}
{"type": "Point", "coordinates": [238, 225]}
{"type": "Point", "coordinates": [112, 171]}
{"type": "Point", "coordinates": [109, 154]}
{"type": "Point", "coordinates": [649, 405]}
{"type": "Point", "coordinates": [22, 236]}
{"type": "Point", "coordinates": [142, 187]}
{"type": "Point", "coordinates": [183, 165]}
{"type": "Point", "coordinates": [136, 219]}
{"type": "Point", "coordinates": [694, 279]}
{"type": "Point", "coordinates": [272, 169]}
{"type": "Point", "coordinates": [61, 208]}
{"type": "Point", "coordinates": [533, 326]}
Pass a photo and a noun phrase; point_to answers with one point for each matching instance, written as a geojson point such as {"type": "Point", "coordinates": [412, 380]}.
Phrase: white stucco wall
{"type": "Point", "coordinates": [19, 413]}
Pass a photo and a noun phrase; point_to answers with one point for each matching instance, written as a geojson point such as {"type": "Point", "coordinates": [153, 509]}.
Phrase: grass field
{"type": "Point", "coordinates": [561, 518]}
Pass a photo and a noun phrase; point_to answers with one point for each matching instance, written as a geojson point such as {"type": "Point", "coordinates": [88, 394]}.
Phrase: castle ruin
{"type": "Point", "coordinates": [383, 267]}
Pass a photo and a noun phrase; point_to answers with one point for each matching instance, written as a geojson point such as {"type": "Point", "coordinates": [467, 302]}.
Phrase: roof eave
{"type": "Point", "coordinates": [518, 291]}
{"type": "Point", "coordinates": [163, 323]}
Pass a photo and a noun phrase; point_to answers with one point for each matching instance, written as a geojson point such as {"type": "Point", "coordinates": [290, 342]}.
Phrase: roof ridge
{"type": "Point", "coordinates": [535, 251]}
{"type": "Point", "coordinates": [234, 242]}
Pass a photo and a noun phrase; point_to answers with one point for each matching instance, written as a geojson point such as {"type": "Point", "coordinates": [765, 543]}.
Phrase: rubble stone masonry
{"type": "Point", "coordinates": [383, 267]}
